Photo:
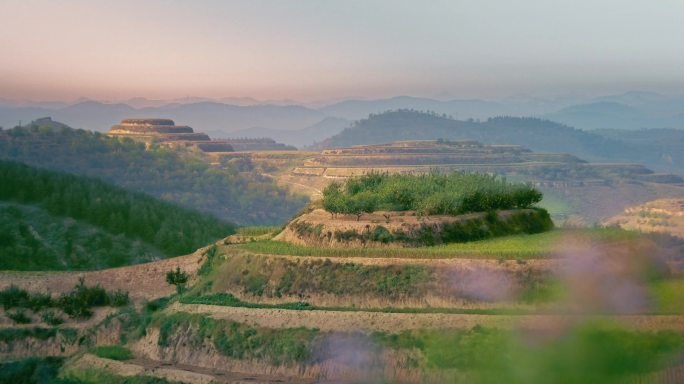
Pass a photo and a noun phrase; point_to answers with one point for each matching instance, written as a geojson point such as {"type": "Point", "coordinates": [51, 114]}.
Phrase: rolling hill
{"type": "Point", "coordinates": [215, 118]}
{"type": "Point", "coordinates": [536, 134]}
{"type": "Point", "coordinates": [663, 216]}
{"type": "Point", "coordinates": [183, 178]}
{"type": "Point", "coordinates": [53, 220]}
{"type": "Point", "coordinates": [628, 111]}
{"type": "Point", "coordinates": [298, 137]}
{"type": "Point", "coordinates": [659, 148]}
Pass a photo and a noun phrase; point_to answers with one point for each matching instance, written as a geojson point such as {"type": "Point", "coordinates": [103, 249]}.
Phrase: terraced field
{"type": "Point", "coordinates": [583, 192]}
{"type": "Point", "coordinates": [267, 311]}
{"type": "Point", "coordinates": [663, 216]}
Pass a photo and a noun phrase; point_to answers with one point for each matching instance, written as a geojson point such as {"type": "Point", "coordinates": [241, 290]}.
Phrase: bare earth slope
{"type": "Point", "coordinates": [664, 215]}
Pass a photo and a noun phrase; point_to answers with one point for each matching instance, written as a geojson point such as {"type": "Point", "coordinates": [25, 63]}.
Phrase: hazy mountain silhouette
{"type": "Point", "coordinates": [536, 134]}
{"type": "Point", "coordinates": [299, 137]}
{"type": "Point", "coordinates": [357, 109]}
{"type": "Point", "coordinates": [211, 117]}
{"type": "Point", "coordinates": [631, 110]}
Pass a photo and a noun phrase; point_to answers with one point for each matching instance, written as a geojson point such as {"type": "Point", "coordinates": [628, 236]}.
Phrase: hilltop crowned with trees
{"type": "Point", "coordinates": [536, 134]}
{"type": "Point", "coordinates": [428, 194]}
{"type": "Point", "coordinates": [496, 206]}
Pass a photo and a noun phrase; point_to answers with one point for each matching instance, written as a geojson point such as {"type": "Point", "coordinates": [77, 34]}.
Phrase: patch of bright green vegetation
{"type": "Point", "coordinates": [430, 194]}
{"type": "Point", "coordinates": [228, 300]}
{"type": "Point", "coordinates": [515, 247]}
{"type": "Point", "coordinates": [556, 205]}
{"type": "Point", "coordinates": [114, 352]}
{"type": "Point", "coordinates": [96, 376]}
{"type": "Point", "coordinates": [258, 230]}
{"type": "Point", "coordinates": [170, 228]}
{"type": "Point", "coordinates": [668, 295]}
{"type": "Point", "coordinates": [76, 303]}
{"type": "Point", "coordinates": [509, 247]}
{"type": "Point", "coordinates": [237, 340]}
{"type": "Point", "coordinates": [588, 354]}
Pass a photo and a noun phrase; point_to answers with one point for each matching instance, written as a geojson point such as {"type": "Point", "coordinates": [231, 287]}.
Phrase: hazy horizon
{"type": "Point", "coordinates": [311, 51]}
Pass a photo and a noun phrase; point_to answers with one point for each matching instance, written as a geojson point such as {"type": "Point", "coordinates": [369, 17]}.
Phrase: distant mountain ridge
{"type": "Point", "coordinates": [299, 137]}
{"type": "Point", "coordinates": [225, 116]}
{"type": "Point", "coordinates": [215, 118]}
{"type": "Point", "coordinates": [536, 134]}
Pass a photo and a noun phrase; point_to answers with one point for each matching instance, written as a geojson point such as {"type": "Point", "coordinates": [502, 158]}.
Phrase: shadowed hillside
{"type": "Point", "coordinates": [54, 220]}
{"type": "Point", "coordinates": [180, 177]}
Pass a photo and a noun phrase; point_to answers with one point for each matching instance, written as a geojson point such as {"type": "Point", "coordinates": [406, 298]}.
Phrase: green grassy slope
{"type": "Point", "coordinates": [183, 178]}
{"type": "Point", "coordinates": [54, 220]}
{"type": "Point", "coordinates": [33, 239]}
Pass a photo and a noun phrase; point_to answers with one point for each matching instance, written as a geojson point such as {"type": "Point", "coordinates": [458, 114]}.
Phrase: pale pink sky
{"type": "Point", "coordinates": [312, 50]}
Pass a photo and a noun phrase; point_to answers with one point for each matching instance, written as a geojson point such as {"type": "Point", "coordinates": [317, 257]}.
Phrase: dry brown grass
{"type": "Point", "coordinates": [663, 215]}
{"type": "Point", "coordinates": [143, 281]}
{"type": "Point", "coordinates": [397, 322]}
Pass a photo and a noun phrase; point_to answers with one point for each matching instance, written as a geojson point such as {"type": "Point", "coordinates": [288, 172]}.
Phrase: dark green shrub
{"type": "Point", "coordinates": [527, 222]}
{"type": "Point", "coordinates": [119, 298]}
{"type": "Point", "coordinates": [114, 352]}
{"type": "Point", "coordinates": [81, 299]}
{"type": "Point", "coordinates": [38, 301]}
{"type": "Point", "coordinates": [157, 304]}
{"type": "Point", "coordinates": [76, 303]}
{"type": "Point", "coordinates": [13, 296]}
{"type": "Point", "coordinates": [229, 300]}
{"type": "Point", "coordinates": [428, 194]}
{"type": "Point", "coordinates": [177, 278]}
{"type": "Point", "coordinates": [19, 317]}
{"type": "Point", "coordinates": [51, 318]}
{"type": "Point", "coordinates": [8, 335]}
{"type": "Point", "coordinates": [32, 370]}
{"type": "Point", "coordinates": [382, 235]}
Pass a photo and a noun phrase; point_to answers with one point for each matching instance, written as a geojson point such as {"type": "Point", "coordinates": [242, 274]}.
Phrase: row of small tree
{"type": "Point", "coordinates": [172, 229]}
{"type": "Point", "coordinates": [427, 194]}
